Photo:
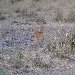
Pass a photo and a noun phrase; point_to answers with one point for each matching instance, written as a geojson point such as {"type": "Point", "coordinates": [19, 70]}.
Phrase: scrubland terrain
{"type": "Point", "coordinates": [37, 37]}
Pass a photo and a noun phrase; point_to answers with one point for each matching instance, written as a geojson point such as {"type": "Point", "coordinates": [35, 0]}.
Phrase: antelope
{"type": "Point", "coordinates": [38, 34]}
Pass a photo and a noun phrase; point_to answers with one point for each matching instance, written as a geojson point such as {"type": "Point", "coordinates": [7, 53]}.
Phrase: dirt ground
{"type": "Point", "coordinates": [37, 37]}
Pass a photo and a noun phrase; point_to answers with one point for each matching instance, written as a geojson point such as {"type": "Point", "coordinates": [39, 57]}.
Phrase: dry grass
{"type": "Point", "coordinates": [13, 1]}
{"type": "Point", "coordinates": [59, 15]}
{"type": "Point", "coordinates": [71, 17]}
{"type": "Point", "coordinates": [21, 5]}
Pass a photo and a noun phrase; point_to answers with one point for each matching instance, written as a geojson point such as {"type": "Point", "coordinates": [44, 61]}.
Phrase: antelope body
{"type": "Point", "coordinates": [38, 34]}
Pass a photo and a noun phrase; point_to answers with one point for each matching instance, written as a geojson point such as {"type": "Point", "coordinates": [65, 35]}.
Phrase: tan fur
{"type": "Point", "coordinates": [38, 34]}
